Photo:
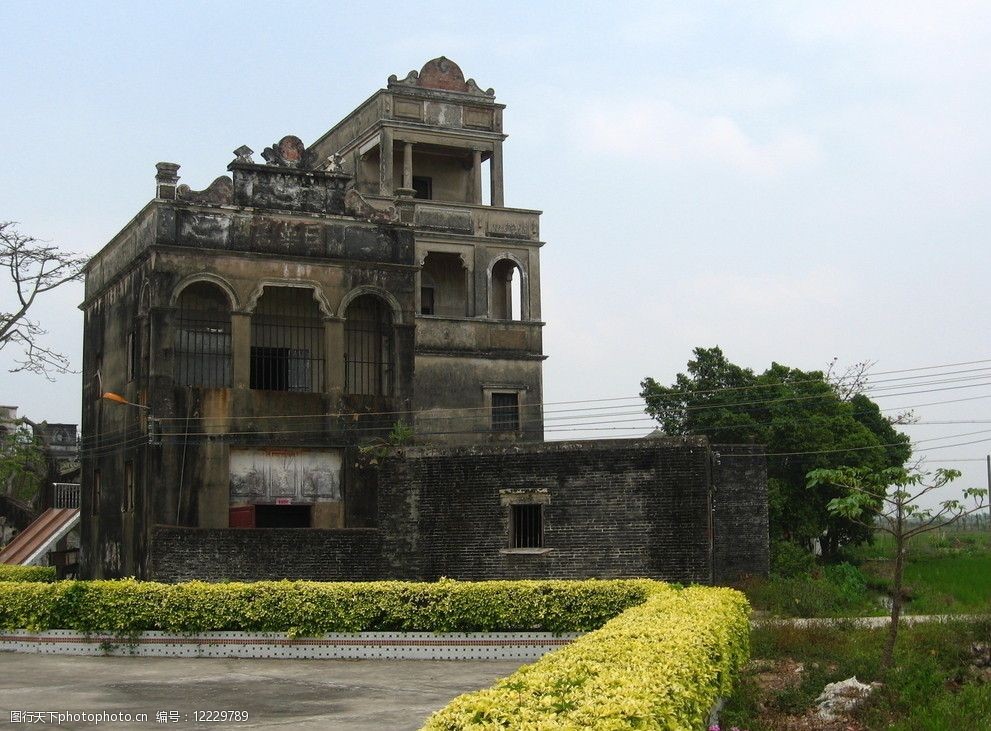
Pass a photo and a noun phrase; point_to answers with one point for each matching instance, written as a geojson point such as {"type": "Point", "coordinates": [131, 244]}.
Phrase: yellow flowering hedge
{"type": "Point", "coordinates": [26, 573]}
{"type": "Point", "coordinates": [659, 665]}
{"type": "Point", "coordinates": [303, 608]}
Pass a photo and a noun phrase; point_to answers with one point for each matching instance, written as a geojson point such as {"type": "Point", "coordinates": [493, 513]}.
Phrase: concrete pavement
{"type": "Point", "coordinates": [350, 695]}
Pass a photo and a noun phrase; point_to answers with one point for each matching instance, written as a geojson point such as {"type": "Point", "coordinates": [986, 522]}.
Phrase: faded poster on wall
{"type": "Point", "coordinates": [259, 475]}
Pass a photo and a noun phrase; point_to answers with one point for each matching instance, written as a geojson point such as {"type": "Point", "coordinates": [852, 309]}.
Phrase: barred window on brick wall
{"type": "Point", "coordinates": [287, 341]}
{"type": "Point", "coordinates": [526, 526]}
{"type": "Point", "coordinates": [203, 337]}
{"type": "Point", "coordinates": [368, 344]}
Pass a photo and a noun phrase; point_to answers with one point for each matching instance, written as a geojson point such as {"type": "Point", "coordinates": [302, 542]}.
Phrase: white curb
{"type": "Point", "coordinates": [340, 646]}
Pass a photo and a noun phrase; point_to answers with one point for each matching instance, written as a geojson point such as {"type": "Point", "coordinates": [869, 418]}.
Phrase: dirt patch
{"type": "Point", "coordinates": [776, 677]}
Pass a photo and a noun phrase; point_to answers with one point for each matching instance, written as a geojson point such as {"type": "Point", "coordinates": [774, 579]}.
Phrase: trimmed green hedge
{"type": "Point", "coordinates": [26, 573]}
{"type": "Point", "coordinates": [311, 609]}
{"type": "Point", "coordinates": [660, 665]}
{"type": "Point", "coordinates": [656, 656]}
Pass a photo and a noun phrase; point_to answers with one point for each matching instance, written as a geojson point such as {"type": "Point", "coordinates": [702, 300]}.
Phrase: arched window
{"type": "Point", "coordinates": [507, 291]}
{"type": "Point", "coordinates": [203, 337]}
{"type": "Point", "coordinates": [443, 285]}
{"type": "Point", "coordinates": [287, 344]}
{"type": "Point", "coordinates": [368, 345]}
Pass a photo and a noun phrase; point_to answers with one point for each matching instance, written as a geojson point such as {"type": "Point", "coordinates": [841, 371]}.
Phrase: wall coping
{"type": "Point", "coordinates": [582, 445]}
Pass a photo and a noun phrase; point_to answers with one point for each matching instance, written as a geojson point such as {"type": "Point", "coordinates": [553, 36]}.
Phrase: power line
{"type": "Point", "coordinates": [632, 398]}
{"type": "Point", "coordinates": [547, 417]}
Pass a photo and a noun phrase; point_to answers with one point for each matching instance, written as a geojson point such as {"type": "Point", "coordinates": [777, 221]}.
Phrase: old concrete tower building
{"type": "Point", "coordinates": [258, 330]}
{"type": "Point", "coordinates": [257, 352]}
{"type": "Point", "coordinates": [431, 144]}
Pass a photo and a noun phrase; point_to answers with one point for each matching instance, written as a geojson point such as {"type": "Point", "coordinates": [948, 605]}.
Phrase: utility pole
{"type": "Point", "coordinates": [989, 492]}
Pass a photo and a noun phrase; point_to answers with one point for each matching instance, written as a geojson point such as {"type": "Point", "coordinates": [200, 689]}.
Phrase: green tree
{"type": "Point", "coordinates": [804, 421]}
{"type": "Point", "coordinates": [889, 500]}
{"type": "Point", "coordinates": [22, 464]}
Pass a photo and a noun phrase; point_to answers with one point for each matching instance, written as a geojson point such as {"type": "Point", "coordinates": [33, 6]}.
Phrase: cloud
{"type": "Point", "coordinates": [772, 292]}
{"type": "Point", "coordinates": [908, 41]}
{"type": "Point", "coordinates": [661, 131]}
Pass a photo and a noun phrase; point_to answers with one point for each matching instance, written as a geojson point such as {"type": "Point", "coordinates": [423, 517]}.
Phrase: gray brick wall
{"type": "Point", "coordinates": [739, 512]}
{"type": "Point", "coordinates": [670, 508]}
{"type": "Point", "coordinates": [221, 554]}
{"type": "Point", "coordinates": [617, 509]}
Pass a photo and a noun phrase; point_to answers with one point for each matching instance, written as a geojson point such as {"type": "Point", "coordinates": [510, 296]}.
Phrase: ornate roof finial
{"type": "Point", "coordinates": [442, 74]}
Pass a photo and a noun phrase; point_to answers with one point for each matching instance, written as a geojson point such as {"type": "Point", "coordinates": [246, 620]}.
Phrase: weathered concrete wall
{"type": "Point", "coordinates": [292, 235]}
{"type": "Point", "coordinates": [233, 554]}
{"type": "Point", "coordinates": [453, 394]}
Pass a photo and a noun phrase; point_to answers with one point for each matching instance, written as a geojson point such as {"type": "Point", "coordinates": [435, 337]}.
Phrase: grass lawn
{"type": "Point", "coordinates": [947, 572]}
{"type": "Point", "coordinates": [932, 686]}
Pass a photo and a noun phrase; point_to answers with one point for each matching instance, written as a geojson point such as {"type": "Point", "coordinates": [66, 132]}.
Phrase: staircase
{"type": "Point", "coordinates": [32, 544]}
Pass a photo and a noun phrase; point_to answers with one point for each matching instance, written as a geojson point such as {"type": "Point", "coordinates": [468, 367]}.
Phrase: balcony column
{"type": "Point", "coordinates": [407, 165]}
{"type": "Point", "coordinates": [495, 176]}
{"type": "Point", "coordinates": [476, 177]}
{"type": "Point", "coordinates": [241, 349]}
{"type": "Point", "coordinates": [333, 336]}
{"type": "Point", "coordinates": [386, 179]}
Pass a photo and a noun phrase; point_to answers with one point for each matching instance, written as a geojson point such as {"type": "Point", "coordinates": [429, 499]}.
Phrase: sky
{"type": "Point", "coordinates": [794, 182]}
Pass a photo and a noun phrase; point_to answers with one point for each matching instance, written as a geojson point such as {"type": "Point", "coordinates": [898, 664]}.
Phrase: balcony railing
{"type": "Point", "coordinates": [66, 495]}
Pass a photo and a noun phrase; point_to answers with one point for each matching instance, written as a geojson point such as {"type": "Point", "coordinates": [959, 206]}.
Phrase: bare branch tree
{"type": "Point", "coordinates": [855, 381]}
{"type": "Point", "coordinates": [34, 267]}
{"type": "Point", "coordinates": [851, 382]}
{"type": "Point", "coordinates": [890, 499]}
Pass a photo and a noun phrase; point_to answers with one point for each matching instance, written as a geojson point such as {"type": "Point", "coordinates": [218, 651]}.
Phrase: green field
{"type": "Point", "coordinates": [947, 572]}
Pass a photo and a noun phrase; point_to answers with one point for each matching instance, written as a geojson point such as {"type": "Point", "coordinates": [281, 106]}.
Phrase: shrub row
{"type": "Point", "coordinates": [660, 665]}
{"type": "Point", "coordinates": [26, 573]}
{"type": "Point", "coordinates": [312, 609]}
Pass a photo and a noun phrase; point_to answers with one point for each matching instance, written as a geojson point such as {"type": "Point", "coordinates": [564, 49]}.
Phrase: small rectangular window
{"type": "Point", "coordinates": [127, 503]}
{"type": "Point", "coordinates": [505, 412]}
{"type": "Point", "coordinates": [526, 526]}
{"type": "Point", "coordinates": [424, 187]}
{"type": "Point", "coordinates": [426, 300]}
{"type": "Point", "coordinates": [132, 357]}
{"type": "Point", "coordinates": [94, 503]}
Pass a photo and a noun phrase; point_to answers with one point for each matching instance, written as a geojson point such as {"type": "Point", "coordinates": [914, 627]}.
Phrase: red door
{"type": "Point", "coordinates": [242, 517]}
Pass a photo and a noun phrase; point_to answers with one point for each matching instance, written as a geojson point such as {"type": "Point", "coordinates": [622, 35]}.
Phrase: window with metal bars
{"type": "Point", "coordinates": [287, 341]}
{"type": "Point", "coordinates": [127, 504]}
{"type": "Point", "coordinates": [132, 356]}
{"type": "Point", "coordinates": [526, 526]}
{"type": "Point", "coordinates": [95, 493]}
{"type": "Point", "coordinates": [203, 337]}
{"type": "Point", "coordinates": [368, 343]}
{"type": "Point", "coordinates": [505, 412]}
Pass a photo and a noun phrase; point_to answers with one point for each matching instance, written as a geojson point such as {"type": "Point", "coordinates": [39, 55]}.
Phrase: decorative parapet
{"type": "Point", "coordinates": [219, 192]}
{"type": "Point", "coordinates": [469, 219]}
{"type": "Point", "coordinates": [289, 181]}
{"type": "Point", "coordinates": [441, 74]}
